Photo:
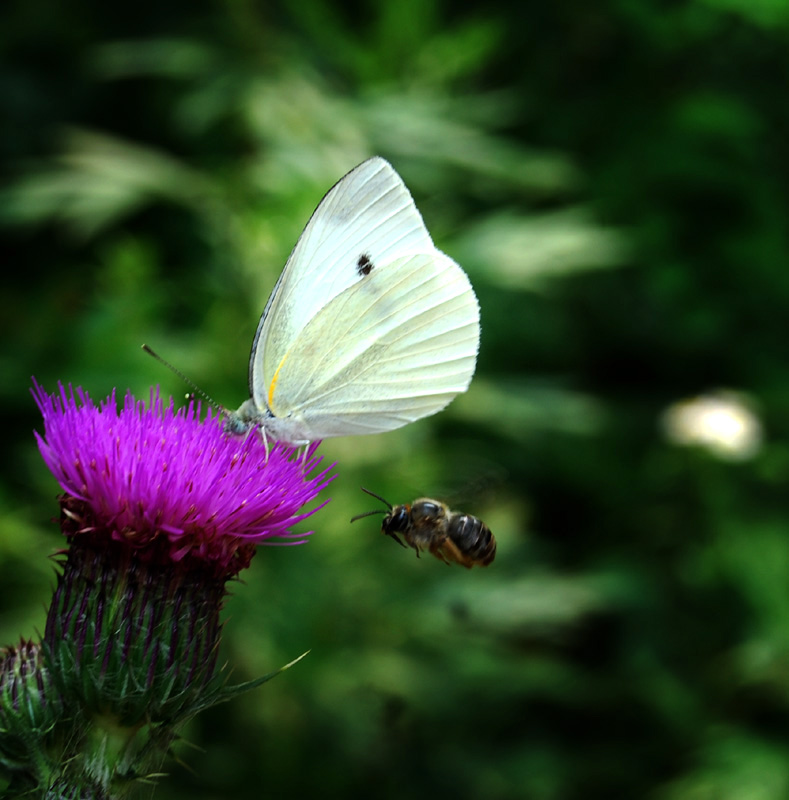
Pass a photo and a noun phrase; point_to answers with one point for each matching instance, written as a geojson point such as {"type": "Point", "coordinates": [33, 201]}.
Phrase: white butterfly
{"type": "Point", "coordinates": [369, 327]}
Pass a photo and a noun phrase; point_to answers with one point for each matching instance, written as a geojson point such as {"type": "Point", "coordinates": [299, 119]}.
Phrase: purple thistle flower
{"type": "Point", "coordinates": [170, 486]}
{"type": "Point", "coordinates": [160, 510]}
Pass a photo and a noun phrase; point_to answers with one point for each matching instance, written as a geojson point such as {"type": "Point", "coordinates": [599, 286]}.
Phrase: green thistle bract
{"type": "Point", "coordinates": [29, 707]}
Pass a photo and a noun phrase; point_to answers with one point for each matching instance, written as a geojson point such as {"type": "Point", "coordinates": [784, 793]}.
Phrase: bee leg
{"type": "Point", "coordinates": [438, 551]}
{"type": "Point", "coordinates": [397, 539]}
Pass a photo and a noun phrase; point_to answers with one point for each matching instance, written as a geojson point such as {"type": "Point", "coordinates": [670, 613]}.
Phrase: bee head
{"type": "Point", "coordinates": [396, 518]}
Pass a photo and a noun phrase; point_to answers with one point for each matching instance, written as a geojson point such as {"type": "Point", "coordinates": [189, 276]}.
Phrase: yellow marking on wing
{"type": "Point", "coordinates": [274, 380]}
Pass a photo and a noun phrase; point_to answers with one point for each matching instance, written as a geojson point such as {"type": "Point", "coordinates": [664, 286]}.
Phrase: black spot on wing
{"type": "Point", "coordinates": [364, 265]}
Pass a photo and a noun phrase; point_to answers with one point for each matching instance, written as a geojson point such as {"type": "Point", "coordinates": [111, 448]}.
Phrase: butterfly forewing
{"type": "Point", "coordinates": [367, 219]}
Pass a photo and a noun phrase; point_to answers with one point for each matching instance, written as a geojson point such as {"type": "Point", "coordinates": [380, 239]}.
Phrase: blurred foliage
{"type": "Point", "coordinates": [613, 176]}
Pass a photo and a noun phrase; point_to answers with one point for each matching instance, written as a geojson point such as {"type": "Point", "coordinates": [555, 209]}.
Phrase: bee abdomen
{"type": "Point", "coordinates": [473, 538]}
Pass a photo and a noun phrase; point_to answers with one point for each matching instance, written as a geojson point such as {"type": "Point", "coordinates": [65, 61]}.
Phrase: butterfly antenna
{"type": "Point", "coordinates": [183, 377]}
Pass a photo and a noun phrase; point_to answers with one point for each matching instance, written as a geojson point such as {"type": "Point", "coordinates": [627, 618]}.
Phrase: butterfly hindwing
{"type": "Point", "coordinates": [386, 351]}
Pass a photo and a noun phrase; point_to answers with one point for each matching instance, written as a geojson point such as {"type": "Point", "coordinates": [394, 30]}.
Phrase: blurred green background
{"type": "Point", "coordinates": [613, 177]}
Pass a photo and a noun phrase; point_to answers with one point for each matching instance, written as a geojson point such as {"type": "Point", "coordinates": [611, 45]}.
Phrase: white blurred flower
{"type": "Point", "coordinates": [722, 422]}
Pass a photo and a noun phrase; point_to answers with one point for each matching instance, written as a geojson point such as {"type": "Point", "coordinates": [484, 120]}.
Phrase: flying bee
{"type": "Point", "coordinates": [430, 525]}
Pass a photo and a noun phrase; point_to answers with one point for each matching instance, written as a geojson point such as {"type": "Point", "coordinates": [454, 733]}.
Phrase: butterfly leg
{"type": "Point", "coordinates": [265, 440]}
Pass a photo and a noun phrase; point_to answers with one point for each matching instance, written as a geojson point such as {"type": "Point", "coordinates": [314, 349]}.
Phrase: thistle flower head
{"type": "Point", "coordinates": [160, 510]}
{"type": "Point", "coordinates": [169, 485]}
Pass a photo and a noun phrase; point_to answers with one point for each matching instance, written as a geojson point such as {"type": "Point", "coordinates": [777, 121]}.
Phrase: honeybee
{"type": "Point", "coordinates": [431, 525]}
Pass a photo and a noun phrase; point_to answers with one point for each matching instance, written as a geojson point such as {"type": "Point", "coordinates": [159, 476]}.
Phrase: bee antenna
{"type": "Point", "coordinates": [183, 378]}
{"type": "Point", "coordinates": [377, 497]}
{"type": "Point", "coordinates": [368, 514]}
